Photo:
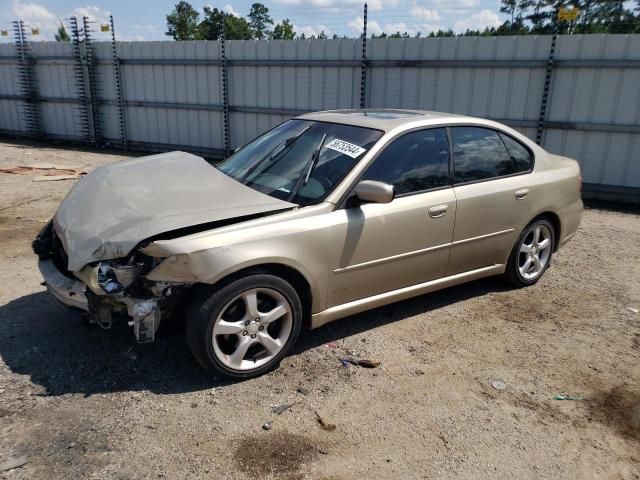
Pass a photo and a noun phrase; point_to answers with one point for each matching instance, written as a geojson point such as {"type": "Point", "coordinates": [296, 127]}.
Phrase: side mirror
{"type": "Point", "coordinates": [374, 192]}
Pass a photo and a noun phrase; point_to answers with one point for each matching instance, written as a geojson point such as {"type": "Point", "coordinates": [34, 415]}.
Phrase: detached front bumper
{"type": "Point", "coordinates": [68, 291]}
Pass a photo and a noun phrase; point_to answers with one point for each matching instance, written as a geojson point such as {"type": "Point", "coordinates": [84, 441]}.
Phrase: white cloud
{"type": "Point", "coordinates": [452, 4]}
{"type": "Point", "coordinates": [372, 4]}
{"type": "Point", "coordinates": [455, 7]}
{"type": "Point", "coordinates": [425, 13]}
{"type": "Point", "coordinates": [357, 24]}
{"type": "Point", "coordinates": [228, 8]}
{"type": "Point", "coordinates": [398, 27]}
{"type": "Point", "coordinates": [478, 21]}
{"type": "Point", "coordinates": [374, 28]}
{"type": "Point", "coordinates": [31, 12]}
{"type": "Point", "coordinates": [139, 33]}
{"type": "Point", "coordinates": [35, 16]}
{"type": "Point", "coordinates": [95, 14]}
{"type": "Point", "coordinates": [427, 28]}
{"type": "Point", "coordinates": [311, 30]}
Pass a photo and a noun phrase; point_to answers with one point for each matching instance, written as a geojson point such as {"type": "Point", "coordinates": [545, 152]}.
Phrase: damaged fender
{"type": "Point", "coordinates": [208, 257]}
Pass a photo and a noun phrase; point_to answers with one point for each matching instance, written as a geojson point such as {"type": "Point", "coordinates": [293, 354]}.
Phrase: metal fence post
{"type": "Point", "coordinates": [81, 87]}
{"type": "Point", "coordinates": [547, 82]}
{"type": "Point", "coordinates": [117, 77]}
{"type": "Point", "coordinates": [225, 94]}
{"type": "Point", "coordinates": [363, 78]}
{"type": "Point", "coordinates": [27, 80]}
{"type": "Point", "coordinates": [93, 84]}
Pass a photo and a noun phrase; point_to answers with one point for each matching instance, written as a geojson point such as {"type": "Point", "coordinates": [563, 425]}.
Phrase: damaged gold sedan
{"type": "Point", "coordinates": [324, 216]}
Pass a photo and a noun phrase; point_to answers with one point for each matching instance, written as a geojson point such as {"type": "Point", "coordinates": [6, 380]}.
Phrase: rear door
{"type": "Point", "coordinates": [494, 192]}
{"type": "Point", "coordinates": [385, 247]}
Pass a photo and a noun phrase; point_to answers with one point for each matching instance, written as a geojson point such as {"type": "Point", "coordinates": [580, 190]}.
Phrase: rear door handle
{"type": "Point", "coordinates": [438, 211]}
{"type": "Point", "coordinates": [521, 194]}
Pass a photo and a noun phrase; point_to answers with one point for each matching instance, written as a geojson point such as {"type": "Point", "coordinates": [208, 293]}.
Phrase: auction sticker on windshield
{"type": "Point", "coordinates": [345, 147]}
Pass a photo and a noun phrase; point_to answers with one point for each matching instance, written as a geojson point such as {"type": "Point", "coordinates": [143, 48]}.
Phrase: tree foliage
{"type": "Point", "coordinates": [524, 17]}
{"type": "Point", "coordinates": [260, 20]}
{"type": "Point", "coordinates": [284, 31]}
{"type": "Point", "coordinates": [182, 23]}
{"type": "Point", "coordinates": [235, 28]}
{"type": "Point", "coordinates": [61, 34]}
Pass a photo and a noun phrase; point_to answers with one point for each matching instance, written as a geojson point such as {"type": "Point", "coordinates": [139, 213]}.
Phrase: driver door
{"type": "Point", "coordinates": [384, 247]}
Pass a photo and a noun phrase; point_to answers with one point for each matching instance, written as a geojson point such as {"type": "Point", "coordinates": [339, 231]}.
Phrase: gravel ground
{"type": "Point", "coordinates": [80, 402]}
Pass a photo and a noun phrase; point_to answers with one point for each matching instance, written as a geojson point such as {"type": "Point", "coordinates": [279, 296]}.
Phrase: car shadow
{"type": "Point", "coordinates": [58, 350]}
{"type": "Point", "coordinates": [395, 312]}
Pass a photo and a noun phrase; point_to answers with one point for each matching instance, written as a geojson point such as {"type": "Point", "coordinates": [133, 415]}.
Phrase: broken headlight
{"type": "Point", "coordinates": [113, 278]}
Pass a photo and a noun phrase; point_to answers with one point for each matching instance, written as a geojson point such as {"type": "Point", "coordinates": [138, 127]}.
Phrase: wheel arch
{"type": "Point", "coordinates": [286, 272]}
{"type": "Point", "coordinates": [554, 219]}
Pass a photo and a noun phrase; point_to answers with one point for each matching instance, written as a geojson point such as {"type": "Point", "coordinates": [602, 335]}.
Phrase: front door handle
{"type": "Point", "coordinates": [521, 194]}
{"type": "Point", "coordinates": [438, 211]}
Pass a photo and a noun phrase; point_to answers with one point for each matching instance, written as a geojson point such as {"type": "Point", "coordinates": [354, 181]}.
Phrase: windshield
{"type": "Point", "coordinates": [300, 161]}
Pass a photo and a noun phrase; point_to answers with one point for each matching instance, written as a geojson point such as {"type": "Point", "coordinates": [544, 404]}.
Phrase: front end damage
{"type": "Point", "coordinates": [108, 289]}
{"type": "Point", "coordinates": [91, 254]}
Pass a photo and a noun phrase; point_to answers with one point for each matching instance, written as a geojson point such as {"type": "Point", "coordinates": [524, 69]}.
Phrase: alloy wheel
{"type": "Point", "coordinates": [252, 328]}
{"type": "Point", "coordinates": [534, 251]}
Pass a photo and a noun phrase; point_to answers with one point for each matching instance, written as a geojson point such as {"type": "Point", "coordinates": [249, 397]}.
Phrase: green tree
{"type": "Point", "coordinates": [284, 31]}
{"type": "Point", "coordinates": [508, 7]}
{"type": "Point", "coordinates": [442, 33]}
{"type": "Point", "coordinates": [516, 10]}
{"type": "Point", "coordinates": [211, 26]}
{"type": "Point", "coordinates": [259, 20]}
{"type": "Point", "coordinates": [61, 34]}
{"type": "Point", "coordinates": [236, 28]}
{"type": "Point", "coordinates": [539, 17]}
{"type": "Point", "coordinates": [322, 35]}
{"type": "Point", "coordinates": [182, 23]}
{"type": "Point", "coordinates": [588, 16]}
{"type": "Point", "coordinates": [613, 17]}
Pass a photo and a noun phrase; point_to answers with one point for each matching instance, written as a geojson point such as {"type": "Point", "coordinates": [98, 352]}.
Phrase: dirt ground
{"type": "Point", "coordinates": [80, 402]}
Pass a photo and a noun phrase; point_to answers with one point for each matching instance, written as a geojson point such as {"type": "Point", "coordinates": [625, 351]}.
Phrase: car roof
{"type": "Point", "coordinates": [386, 119]}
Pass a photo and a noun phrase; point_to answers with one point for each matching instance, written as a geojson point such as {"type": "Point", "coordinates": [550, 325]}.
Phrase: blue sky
{"type": "Point", "coordinates": [145, 19]}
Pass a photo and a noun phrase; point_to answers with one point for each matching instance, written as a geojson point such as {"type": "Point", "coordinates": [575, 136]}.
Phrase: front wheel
{"type": "Point", "coordinates": [531, 255]}
{"type": "Point", "coordinates": [245, 328]}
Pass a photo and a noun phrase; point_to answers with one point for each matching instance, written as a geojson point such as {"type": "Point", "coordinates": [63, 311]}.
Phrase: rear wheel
{"type": "Point", "coordinates": [531, 255]}
{"type": "Point", "coordinates": [245, 328]}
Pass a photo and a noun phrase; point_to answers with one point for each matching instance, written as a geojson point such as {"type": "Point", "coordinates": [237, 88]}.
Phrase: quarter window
{"type": "Point", "coordinates": [521, 157]}
{"type": "Point", "coordinates": [479, 153]}
{"type": "Point", "coordinates": [414, 162]}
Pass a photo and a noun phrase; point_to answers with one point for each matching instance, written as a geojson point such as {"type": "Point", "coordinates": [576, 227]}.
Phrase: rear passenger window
{"type": "Point", "coordinates": [479, 153]}
{"type": "Point", "coordinates": [521, 157]}
{"type": "Point", "coordinates": [414, 162]}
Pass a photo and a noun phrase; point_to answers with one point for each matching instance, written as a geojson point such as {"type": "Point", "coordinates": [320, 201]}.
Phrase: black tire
{"type": "Point", "coordinates": [512, 272]}
{"type": "Point", "coordinates": [207, 304]}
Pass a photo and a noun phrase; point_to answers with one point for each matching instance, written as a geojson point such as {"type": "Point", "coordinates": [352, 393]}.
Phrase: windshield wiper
{"type": "Point", "coordinates": [275, 151]}
{"type": "Point", "coordinates": [311, 164]}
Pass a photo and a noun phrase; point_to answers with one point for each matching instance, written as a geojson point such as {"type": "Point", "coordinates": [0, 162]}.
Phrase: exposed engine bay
{"type": "Point", "coordinates": [112, 287]}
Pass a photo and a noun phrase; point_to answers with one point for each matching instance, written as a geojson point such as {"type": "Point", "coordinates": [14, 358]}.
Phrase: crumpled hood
{"type": "Point", "coordinates": [108, 212]}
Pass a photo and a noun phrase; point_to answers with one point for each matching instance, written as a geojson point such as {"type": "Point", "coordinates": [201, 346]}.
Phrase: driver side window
{"type": "Point", "coordinates": [413, 163]}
